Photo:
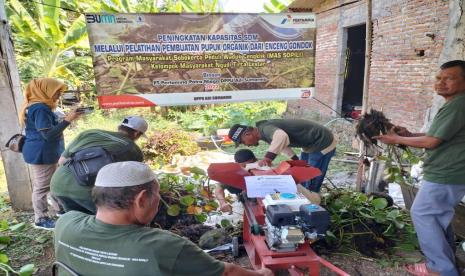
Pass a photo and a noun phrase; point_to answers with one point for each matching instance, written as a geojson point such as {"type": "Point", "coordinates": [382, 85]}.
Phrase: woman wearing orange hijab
{"type": "Point", "coordinates": [44, 141]}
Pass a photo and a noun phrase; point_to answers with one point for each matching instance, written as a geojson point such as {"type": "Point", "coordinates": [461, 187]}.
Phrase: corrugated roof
{"type": "Point", "coordinates": [305, 4]}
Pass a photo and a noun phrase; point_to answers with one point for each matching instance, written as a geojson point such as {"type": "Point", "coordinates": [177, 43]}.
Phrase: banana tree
{"type": "Point", "coordinates": [154, 6]}
{"type": "Point", "coordinates": [276, 6]}
{"type": "Point", "coordinates": [51, 38]}
{"type": "Point", "coordinates": [47, 36]}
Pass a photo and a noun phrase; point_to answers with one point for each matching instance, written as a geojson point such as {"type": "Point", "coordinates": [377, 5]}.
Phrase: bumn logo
{"type": "Point", "coordinates": [100, 18]}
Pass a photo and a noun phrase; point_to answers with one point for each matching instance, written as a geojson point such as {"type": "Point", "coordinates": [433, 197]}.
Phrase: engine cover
{"type": "Point", "coordinates": [315, 217]}
{"type": "Point", "coordinates": [280, 215]}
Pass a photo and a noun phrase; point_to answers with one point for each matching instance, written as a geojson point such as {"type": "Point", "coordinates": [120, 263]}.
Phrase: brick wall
{"type": "Point", "coordinates": [408, 37]}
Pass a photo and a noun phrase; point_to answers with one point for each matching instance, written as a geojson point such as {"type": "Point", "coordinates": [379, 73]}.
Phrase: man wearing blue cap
{"type": "Point", "coordinates": [116, 241]}
{"type": "Point", "coordinates": [317, 142]}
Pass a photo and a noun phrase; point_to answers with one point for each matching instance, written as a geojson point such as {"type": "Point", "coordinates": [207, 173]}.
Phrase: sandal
{"type": "Point", "coordinates": [420, 269]}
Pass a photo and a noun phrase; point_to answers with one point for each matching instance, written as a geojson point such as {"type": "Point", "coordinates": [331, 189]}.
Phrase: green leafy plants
{"type": "Point", "coordinates": [397, 162]}
{"type": "Point", "coordinates": [368, 225]}
{"type": "Point", "coordinates": [6, 233]}
{"type": "Point", "coordinates": [210, 119]}
{"type": "Point", "coordinates": [185, 198]}
{"type": "Point", "coordinates": [162, 145]}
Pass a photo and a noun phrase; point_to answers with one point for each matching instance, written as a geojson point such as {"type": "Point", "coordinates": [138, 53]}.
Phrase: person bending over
{"type": "Point", "coordinates": [317, 142]}
{"type": "Point", "coordinates": [243, 157]}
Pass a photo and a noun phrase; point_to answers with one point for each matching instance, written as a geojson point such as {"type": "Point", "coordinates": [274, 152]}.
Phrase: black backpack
{"type": "Point", "coordinates": [85, 163]}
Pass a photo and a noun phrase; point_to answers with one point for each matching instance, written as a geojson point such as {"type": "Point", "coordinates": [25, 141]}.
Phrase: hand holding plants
{"type": "Point", "coordinates": [390, 138]}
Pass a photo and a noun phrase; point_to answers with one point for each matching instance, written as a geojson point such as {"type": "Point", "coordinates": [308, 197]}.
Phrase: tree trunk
{"type": "Point", "coordinates": [16, 171]}
{"type": "Point", "coordinates": [454, 48]}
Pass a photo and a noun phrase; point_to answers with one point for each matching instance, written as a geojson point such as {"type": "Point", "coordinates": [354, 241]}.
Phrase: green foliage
{"type": "Point", "coordinates": [208, 120]}
{"type": "Point", "coordinates": [398, 162]}
{"type": "Point", "coordinates": [203, 6]}
{"type": "Point", "coordinates": [46, 37]}
{"type": "Point", "coordinates": [51, 36]}
{"type": "Point", "coordinates": [367, 224]}
{"type": "Point", "coordinates": [187, 195]}
{"type": "Point", "coordinates": [276, 6]}
{"type": "Point", "coordinates": [162, 145]}
{"type": "Point", "coordinates": [6, 240]}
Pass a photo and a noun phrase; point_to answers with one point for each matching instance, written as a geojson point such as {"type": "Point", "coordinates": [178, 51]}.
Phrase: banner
{"type": "Point", "coordinates": [185, 59]}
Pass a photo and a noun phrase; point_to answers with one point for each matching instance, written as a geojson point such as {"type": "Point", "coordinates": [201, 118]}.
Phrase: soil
{"type": "Point", "coordinates": [352, 264]}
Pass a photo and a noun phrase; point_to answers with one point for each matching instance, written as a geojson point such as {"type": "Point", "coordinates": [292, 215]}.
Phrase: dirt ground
{"type": "Point", "coordinates": [353, 266]}
{"type": "Point", "coordinates": [36, 246]}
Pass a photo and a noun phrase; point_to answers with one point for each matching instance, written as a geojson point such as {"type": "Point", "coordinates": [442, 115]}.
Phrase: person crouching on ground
{"type": "Point", "coordinates": [116, 241]}
{"type": "Point", "coordinates": [243, 157]}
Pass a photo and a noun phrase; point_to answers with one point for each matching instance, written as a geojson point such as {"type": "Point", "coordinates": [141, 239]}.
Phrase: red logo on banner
{"type": "Point", "coordinates": [306, 94]}
{"type": "Point", "coordinates": [122, 101]}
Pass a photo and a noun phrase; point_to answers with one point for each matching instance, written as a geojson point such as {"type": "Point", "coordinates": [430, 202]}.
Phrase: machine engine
{"type": "Point", "coordinates": [291, 221]}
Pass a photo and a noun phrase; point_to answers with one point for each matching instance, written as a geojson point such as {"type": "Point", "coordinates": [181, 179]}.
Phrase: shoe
{"type": "Point", "coordinates": [420, 269]}
{"type": "Point", "coordinates": [45, 223]}
{"type": "Point", "coordinates": [60, 213]}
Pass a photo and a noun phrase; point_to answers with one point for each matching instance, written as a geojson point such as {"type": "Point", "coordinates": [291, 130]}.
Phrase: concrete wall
{"type": "Point", "coordinates": [408, 37]}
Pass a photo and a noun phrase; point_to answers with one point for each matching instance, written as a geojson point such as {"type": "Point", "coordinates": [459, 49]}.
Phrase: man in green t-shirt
{"type": "Point", "coordinates": [317, 143]}
{"type": "Point", "coordinates": [116, 241]}
{"type": "Point", "coordinates": [443, 185]}
{"type": "Point", "coordinates": [120, 144]}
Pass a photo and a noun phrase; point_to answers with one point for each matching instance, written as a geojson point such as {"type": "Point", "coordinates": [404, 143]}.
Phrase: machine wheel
{"type": "Point", "coordinates": [235, 247]}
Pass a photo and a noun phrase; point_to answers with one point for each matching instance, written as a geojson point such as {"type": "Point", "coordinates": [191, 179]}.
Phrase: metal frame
{"type": "Point", "coordinates": [296, 263]}
{"type": "Point", "coordinates": [68, 269]}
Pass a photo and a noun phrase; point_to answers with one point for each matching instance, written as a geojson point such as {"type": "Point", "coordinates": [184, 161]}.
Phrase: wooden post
{"type": "Point", "coordinates": [16, 171]}
{"type": "Point", "coordinates": [366, 78]}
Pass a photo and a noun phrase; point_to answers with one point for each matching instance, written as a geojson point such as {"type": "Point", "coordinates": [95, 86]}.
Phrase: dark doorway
{"type": "Point", "coordinates": [354, 70]}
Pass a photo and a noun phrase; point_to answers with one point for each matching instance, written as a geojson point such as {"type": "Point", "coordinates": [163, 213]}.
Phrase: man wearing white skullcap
{"type": "Point", "coordinates": [116, 241]}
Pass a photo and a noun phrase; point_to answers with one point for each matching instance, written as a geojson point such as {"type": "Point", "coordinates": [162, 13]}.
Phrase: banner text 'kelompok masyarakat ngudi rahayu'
{"type": "Point", "coordinates": [185, 59]}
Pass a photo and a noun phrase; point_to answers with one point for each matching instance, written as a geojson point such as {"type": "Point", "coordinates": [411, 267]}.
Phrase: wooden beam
{"type": "Point", "coordinates": [366, 77]}
{"type": "Point", "coordinates": [361, 169]}
{"type": "Point", "coordinates": [16, 170]}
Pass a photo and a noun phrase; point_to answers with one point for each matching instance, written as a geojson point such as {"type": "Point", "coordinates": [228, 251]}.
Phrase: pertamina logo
{"type": "Point", "coordinates": [297, 20]}
{"type": "Point", "coordinates": [288, 19]}
{"type": "Point", "coordinates": [100, 18]}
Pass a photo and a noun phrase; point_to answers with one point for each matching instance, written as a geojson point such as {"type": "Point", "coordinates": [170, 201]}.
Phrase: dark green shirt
{"type": "Point", "coordinates": [445, 164]}
{"type": "Point", "coordinates": [92, 247]}
{"type": "Point", "coordinates": [302, 133]}
{"type": "Point", "coordinates": [122, 148]}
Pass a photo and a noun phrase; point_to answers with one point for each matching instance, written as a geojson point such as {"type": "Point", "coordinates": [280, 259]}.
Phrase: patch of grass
{"type": "Point", "coordinates": [26, 245]}
{"type": "Point", "coordinates": [30, 245]}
